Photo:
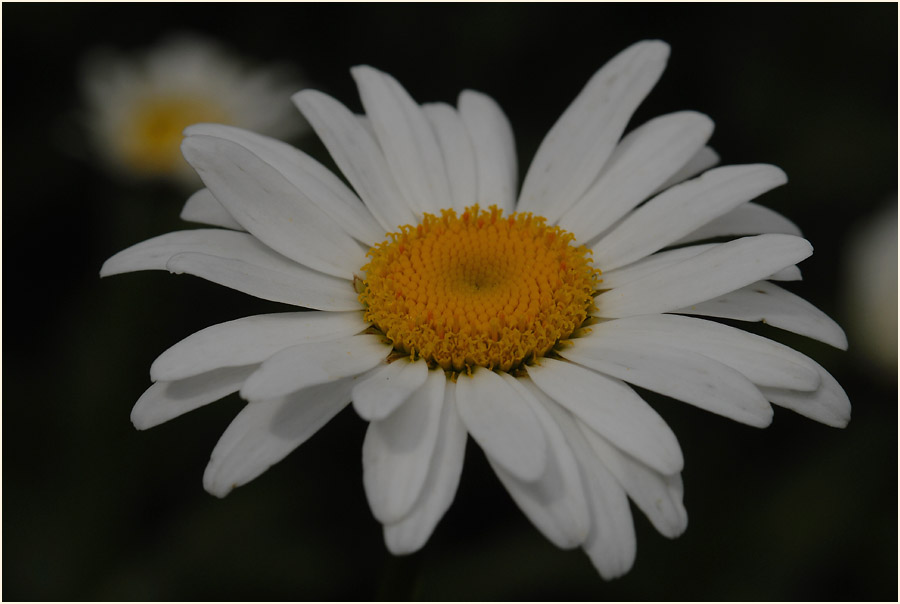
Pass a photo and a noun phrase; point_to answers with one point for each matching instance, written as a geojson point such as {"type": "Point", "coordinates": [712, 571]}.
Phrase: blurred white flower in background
{"type": "Point", "coordinates": [870, 286]}
{"type": "Point", "coordinates": [139, 105]}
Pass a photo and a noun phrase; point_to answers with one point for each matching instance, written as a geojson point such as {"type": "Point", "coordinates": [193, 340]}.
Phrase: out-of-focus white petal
{"type": "Point", "coordinates": [766, 302]}
{"type": "Point", "coordinates": [704, 159]}
{"type": "Point", "coordinates": [166, 400]}
{"type": "Point", "coordinates": [682, 209]}
{"type": "Point", "coordinates": [501, 424]}
{"type": "Point", "coordinates": [580, 142]}
{"type": "Point", "coordinates": [747, 219]}
{"type": "Point", "coordinates": [413, 530]}
{"type": "Point", "coordinates": [613, 409]}
{"type": "Point", "coordinates": [722, 269]}
{"type": "Point", "coordinates": [251, 340]}
{"type": "Point", "coordinates": [202, 207]}
{"type": "Point", "coordinates": [459, 156]}
{"type": "Point", "coordinates": [265, 203]}
{"type": "Point", "coordinates": [306, 365]}
{"type": "Point", "coordinates": [494, 147]}
{"type": "Point", "coordinates": [397, 451]}
{"type": "Point", "coordinates": [827, 404]}
{"type": "Point", "coordinates": [239, 261]}
{"type": "Point", "coordinates": [388, 387]}
{"type": "Point", "coordinates": [406, 138]}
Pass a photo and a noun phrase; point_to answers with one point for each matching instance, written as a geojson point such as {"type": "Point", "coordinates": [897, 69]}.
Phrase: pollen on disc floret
{"type": "Point", "coordinates": [478, 289]}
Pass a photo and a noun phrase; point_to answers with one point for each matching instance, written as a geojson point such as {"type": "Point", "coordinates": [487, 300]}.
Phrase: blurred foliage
{"type": "Point", "coordinates": [93, 509]}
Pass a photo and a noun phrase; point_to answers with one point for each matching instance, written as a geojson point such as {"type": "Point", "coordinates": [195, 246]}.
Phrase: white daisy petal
{"type": "Point", "coordinates": [406, 138]}
{"type": "Point", "coordinates": [766, 302]}
{"type": "Point", "coordinates": [682, 209]}
{"type": "Point", "coordinates": [762, 361]}
{"type": "Point", "coordinates": [264, 432]}
{"type": "Point", "coordinates": [680, 374]}
{"type": "Point", "coordinates": [722, 269]}
{"type": "Point", "coordinates": [828, 404]}
{"type": "Point", "coordinates": [314, 182]}
{"type": "Point", "coordinates": [556, 502]}
{"type": "Point", "coordinates": [613, 409]}
{"type": "Point", "coordinates": [359, 157]}
{"type": "Point", "coordinates": [459, 156]}
{"type": "Point", "coordinates": [169, 399]}
{"type": "Point", "coordinates": [507, 430]}
{"type": "Point", "coordinates": [641, 162]}
{"type": "Point", "coordinates": [747, 219]}
{"type": "Point", "coordinates": [251, 340]}
{"type": "Point", "coordinates": [704, 159]}
{"type": "Point", "coordinates": [412, 531]}
{"type": "Point", "coordinates": [306, 365]}
{"type": "Point", "coordinates": [202, 207]}
{"type": "Point", "coordinates": [397, 451]}
{"type": "Point", "coordinates": [265, 203]}
{"type": "Point", "coordinates": [388, 387]}
{"type": "Point", "coordinates": [579, 143]}
{"type": "Point", "coordinates": [495, 149]}
{"type": "Point", "coordinates": [239, 261]}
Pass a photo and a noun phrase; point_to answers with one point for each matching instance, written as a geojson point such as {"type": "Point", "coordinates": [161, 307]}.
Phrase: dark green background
{"type": "Point", "coordinates": [93, 509]}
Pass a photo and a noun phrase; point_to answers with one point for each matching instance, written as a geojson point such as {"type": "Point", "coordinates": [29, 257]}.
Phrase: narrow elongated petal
{"type": "Point", "coordinates": [459, 156]}
{"type": "Point", "coordinates": [388, 387]}
{"type": "Point", "coordinates": [359, 157]}
{"type": "Point", "coordinates": [202, 207]}
{"type": "Point", "coordinates": [406, 138]}
{"type": "Point", "coordinates": [682, 209]}
{"type": "Point", "coordinates": [495, 149]}
{"type": "Point", "coordinates": [683, 375]}
{"type": "Point", "coordinates": [315, 363]}
{"type": "Point", "coordinates": [397, 451]}
{"type": "Point", "coordinates": [555, 503]}
{"type": "Point", "coordinates": [239, 261]}
{"type": "Point", "coordinates": [412, 531]}
{"type": "Point", "coordinates": [827, 404]}
{"type": "Point", "coordinates": [580, 142]}
{"type": "Point", "coordinates": [775, 306]}
{"type": "Point", "coordinates": [763, 361]}
{"type": "Point", "coordinates": [613, 409]}
{"type": "Point", "coordinates": [746, 219]}
{"type": "Point", "coordinates": [265, 203]}
{"type": "Point", "coordinates": [502, 424]}
{"type": "Point", "coordinates": [251, 340]}
{"type": "Point", "coordinates": [264, 432]}
{"type": "Point", "coordinates": [645, 158]}
{"type": "Point", "coordinates": [725, 268]}
{"type": "Point", "coordinates": [315, 183]}
{"type": "Point", "coordinates": [166, 400]}
{"type": "Point", "coordinates": [702, 161]}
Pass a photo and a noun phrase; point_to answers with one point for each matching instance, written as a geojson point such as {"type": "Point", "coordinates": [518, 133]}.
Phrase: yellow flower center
{"type": "Point", "coordinates": [153, 139]}
{"type": "Point", "coordinates": [478, 289]}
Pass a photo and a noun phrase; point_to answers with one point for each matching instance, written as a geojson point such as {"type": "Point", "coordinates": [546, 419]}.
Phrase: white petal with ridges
{"type": "Point", "coordinates": [501, 424]}
{"type": "Point", "coordinates": [459, 156]}
{"type": "Point", "coordinates": [251, 340]}
{"type": "Point", "coordinates": [397, 451]}
{"type": "Point", "coordinates": [406, 138]}
{"type": "Point", "coordinates": [766, 302]}
{"type": "Point", "coordinates": [682, 209]}
{"type": "Point", "coordinates": [641, 162]}
{"type": "Point", "coordinates": [412, 531]}
{"type": "Point", "coordinates": [828, 404]}
{"type": "Point", "coordinates": [495, 150]}
{"type": "Point", "coordinates": [169, 399]}
{"type": "Point", "coordinates": [613, 409]}
{"type": "Point", "coordinates": [717, 271]}
{"type": "Point", "coordinates": [388, 387]}
{"type": "Point", "coordinates": [579, 143]}
{"type": "Point", "coordinates": [202, 207]}
{"type": "Point", "coordinates": [307, 365]}
{"type": "Point", "coordinates": [359, 157]}
{"type": "Point", "coordinates": [265, 203]}
{"type": "Point", "coordinates": [239, 261]}
{"type": "Point", "coordinates": [746, 219]}
{"type": "Point", "coordinates": [704, 159]}
{"type": "Point", "coordinates": [264, 432]}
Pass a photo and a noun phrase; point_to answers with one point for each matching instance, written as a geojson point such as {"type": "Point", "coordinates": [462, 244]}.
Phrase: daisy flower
{"type": "Point", "coordinates": [447, 306]}
{"type": "Point", "coordinates": [138, 107]}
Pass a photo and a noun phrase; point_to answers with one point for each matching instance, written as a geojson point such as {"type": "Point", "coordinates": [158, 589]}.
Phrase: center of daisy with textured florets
{"type": "Point", "coordinates": [478, 289]}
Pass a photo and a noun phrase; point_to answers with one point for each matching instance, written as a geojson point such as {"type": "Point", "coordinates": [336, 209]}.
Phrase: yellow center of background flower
{"type": "Point", "coordinates": [478, 289]}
